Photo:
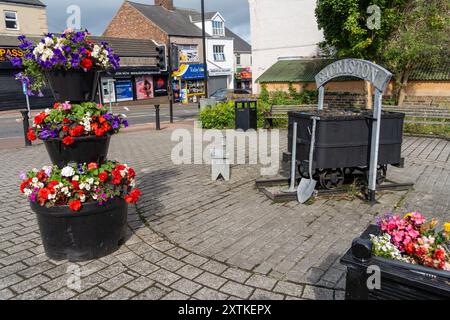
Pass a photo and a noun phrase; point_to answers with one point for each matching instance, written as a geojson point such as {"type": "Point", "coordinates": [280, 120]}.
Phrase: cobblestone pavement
{"type": "Point", "coordinates": [190, 238]}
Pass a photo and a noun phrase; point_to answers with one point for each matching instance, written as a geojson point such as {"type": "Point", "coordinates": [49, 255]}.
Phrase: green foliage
{"type": "Point", "coordinates": [264, 95]}
{"type": "Point", "coordinates": [221, 116]}
{"type": "Point", "coordinates": [344, 23]}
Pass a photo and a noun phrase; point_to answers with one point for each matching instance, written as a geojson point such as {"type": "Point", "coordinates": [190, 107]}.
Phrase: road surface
{"type": "Point", "coordinates": [11, 121]}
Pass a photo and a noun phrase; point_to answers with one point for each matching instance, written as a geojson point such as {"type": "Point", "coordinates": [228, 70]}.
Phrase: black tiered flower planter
{"type": "Point", "coordinates": [73, 85]}
{"type": "Point", "coordinates": [93, 232]}
{"type": "Point", "coordinates": [83, 150]}
{"type": "Point", "coordinates": [399, 280]}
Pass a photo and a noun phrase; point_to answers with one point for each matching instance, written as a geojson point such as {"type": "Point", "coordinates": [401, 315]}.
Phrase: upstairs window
{"type": "Point", "coordinates": [238, 59]}
{"type": "Point", "coordinates": [219, 54]}
{"type": "Point", "coordinates": [218, 28]}
{"type": "Point", "coordinates": [11, 20]}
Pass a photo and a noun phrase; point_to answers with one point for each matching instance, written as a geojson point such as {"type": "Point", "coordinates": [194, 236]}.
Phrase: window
{"type": "Point", "coordinates": [238, 59]}
{"type": "Point", "coordinates": [219, 54]}
{"type": "Point", "coordinates": [218, 28]}
{"type": "Point", "coordinates": [11, 20]}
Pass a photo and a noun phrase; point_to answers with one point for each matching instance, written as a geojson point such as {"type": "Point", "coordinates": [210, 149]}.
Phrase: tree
{"type": "Point", "coordinates": [347, 31]}
{"type": "Point", "coordinates": [421, 38]}
{"type": "Point", "coordinates": [410, 32]}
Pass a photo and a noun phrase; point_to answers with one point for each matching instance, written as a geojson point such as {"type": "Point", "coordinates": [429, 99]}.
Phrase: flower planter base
{"type": "Point", "coordinates": [83, 150]}
{"type": "Point", "coordinates": [398, 280]}
{"type": "Point", "coordinates": [73, 86]}
{"type": "Point", "coordinates": [94, 232]}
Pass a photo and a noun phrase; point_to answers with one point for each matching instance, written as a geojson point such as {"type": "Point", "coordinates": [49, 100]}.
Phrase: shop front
{"type": "Point", "coordinates": [243, 78]}
{"type": "Point", "coordinates": [134, 84]}
{"type": "Point", "coordinates": [220, 79]}
{"type": "Point", "coordinates": [189, 83]}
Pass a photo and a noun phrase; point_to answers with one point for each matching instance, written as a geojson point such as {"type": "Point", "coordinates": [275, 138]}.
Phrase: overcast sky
{"type": "Point", "coordinates": [96, 14]}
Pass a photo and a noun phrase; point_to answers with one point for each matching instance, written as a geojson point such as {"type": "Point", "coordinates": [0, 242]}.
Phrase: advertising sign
{"type": "Point", "coordinates": [144, 88]}
{"type": "Point", "coordinates": [188, 53]}
{"type": "Point", "coordinates": [160, 84]}
{"type": "Point", "coordinates": [13, 52]}
{"type": "Point", "coordinates": [124, 90]}
{"type": "Point", "coordinates": [190, 71]}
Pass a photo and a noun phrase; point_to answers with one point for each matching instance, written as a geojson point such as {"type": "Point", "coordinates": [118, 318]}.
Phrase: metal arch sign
{"type": "Point", "coordinates": [365, 70]}
{"type": "Point", "coordinates": [379, 78]}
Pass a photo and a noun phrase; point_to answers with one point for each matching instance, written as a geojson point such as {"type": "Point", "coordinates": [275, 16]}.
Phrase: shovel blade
{"type": "Point", "coordinates": [306, 190]}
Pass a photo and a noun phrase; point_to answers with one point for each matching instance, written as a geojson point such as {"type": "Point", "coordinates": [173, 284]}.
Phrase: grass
{"type": "Point", "coordinates": [441, 130]}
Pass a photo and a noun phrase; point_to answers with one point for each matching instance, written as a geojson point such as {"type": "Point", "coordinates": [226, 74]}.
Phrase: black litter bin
{"type": "Point", "coordinates": [246, 114]}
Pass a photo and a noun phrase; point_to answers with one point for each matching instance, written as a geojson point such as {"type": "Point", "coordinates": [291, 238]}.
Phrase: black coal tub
{"type": "Point", "coordinates": [343, 138]}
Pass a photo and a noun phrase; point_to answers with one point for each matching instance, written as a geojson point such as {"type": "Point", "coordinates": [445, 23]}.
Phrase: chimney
{"type": "Point", "coordinates": [168, 4]}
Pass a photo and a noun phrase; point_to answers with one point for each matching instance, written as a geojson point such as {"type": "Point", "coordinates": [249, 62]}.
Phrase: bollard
{"type": "Point", "coordinates": [158, 121]}
{"type": "Point", "coordinates": [26, 126]}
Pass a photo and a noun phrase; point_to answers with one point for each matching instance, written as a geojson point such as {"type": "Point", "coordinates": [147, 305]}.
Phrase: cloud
{"type": "Point", "coordinates": [95, 15]}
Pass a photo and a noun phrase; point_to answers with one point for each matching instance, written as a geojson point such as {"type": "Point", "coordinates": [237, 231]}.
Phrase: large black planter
{"type": "Point", "coordinates": [344, 141]}
{"type": "Point", "coordinates": [74, 86]}
{"type": "Point", "coordinates": [399, 280]}
{"type": "Point", "coordinates": [83, 150]}
{"type": "Point", "coordinates": [94, 232]}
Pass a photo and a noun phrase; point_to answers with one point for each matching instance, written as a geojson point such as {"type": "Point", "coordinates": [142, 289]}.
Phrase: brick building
{"type": "Point", "coordinates": [167, 24]}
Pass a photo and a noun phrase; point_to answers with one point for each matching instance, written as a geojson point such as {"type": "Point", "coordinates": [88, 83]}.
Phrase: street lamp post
{"type": "Point", "coordinates": [204, 49]}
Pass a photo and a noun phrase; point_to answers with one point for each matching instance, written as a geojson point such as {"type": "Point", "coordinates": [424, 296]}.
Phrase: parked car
{"type": "Point", "coordinates": [221, 95]}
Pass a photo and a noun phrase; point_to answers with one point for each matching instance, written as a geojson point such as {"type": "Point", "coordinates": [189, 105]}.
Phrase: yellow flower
{"type": "Point", "coordinates": [408, 215]}
{"type": "Point", "coordinates": [447, 227]}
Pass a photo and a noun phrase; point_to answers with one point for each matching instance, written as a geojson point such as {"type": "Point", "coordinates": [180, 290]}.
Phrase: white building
{"type": "Point", "coordinates": [282, 29]}
{"type": "Point", "coordinates": [219, 51]}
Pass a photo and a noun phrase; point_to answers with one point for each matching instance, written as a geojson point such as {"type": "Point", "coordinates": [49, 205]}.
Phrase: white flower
{"type": "Point", "coordinates": [47, 111]}
{"type": "Point", "coordinates": [76, 178]}
{"type": "Point", "coordinates": [67, 172]}
{"type": "Point", "coordinates": [35, 180]}
{"type": "Point", "coordinates": [27, 192]}
{"type": "Point", "coordinates": [95, 197]}
{"type": "Point", "coordinates": [48, 41]}
{"type": "Point", "coordinates": [83, 198]}
{"type": "Point", "coordinates": [91, 180]}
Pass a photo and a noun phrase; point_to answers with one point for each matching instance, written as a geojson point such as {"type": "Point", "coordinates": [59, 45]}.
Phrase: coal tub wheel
{"type": "Point", "coordinates": [381, 174]}
{"type": "Point", "coordinates": [331, 179]}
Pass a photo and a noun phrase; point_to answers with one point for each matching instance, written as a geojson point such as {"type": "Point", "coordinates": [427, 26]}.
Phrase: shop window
{"type": "Point", "coordinates": [219, 54]}
{"type": "Point", "coordinates": [11, 22]}
{"type": "Point", "coordinates": [218, 28]}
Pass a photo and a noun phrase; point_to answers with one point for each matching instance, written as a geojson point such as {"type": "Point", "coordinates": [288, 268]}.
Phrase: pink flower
{"type": "Point", "coordinates": [68, 30]}
{"type": "Point", "coordinates": [66, 106]}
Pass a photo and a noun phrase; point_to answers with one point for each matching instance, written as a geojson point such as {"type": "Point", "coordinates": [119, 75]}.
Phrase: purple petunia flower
{"type": "Point", "coordinates": [33, 197]}
{"type": "Point", "coordinates": [17, 62]}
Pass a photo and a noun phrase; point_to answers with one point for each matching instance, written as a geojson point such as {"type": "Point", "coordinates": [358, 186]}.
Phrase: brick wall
{"type": "Point", "coordinates": [131, 24]}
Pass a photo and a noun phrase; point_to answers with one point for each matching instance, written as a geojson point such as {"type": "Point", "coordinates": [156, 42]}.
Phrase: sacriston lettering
{"type": "Point", "coordinates": [362, 69]}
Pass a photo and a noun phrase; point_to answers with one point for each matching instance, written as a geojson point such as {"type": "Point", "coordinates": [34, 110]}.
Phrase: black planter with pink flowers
{"type": "Point", "coordinates": [93, 232]}
{"type": "Point", "coordinates": [73, 85]}
{"type": "Point", "coordinates": [396, 280]}
{"type": "Point", "coordinates": [83, 150]}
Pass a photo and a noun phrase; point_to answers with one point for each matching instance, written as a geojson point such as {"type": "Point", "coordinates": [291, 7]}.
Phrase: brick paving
{"type": "Point", "coordinates": [190, 238]}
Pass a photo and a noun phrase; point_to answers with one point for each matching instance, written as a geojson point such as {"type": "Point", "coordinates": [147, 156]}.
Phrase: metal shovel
{"type": "Point", "coordinates": [306, 187]}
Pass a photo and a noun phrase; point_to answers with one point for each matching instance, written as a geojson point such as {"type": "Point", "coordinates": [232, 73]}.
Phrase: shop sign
{"type": "Point", "coordinates": [144, 88]}
{"type": "Point", "coordinates": [219, 72]}
{"type": "Point", "coordinates": [190, 71]}
{"type": "Point", "coordinates": [143, 72]}
{"type": "Point", "coordinates": [13, 52]}
{"type": "Point", "coordinates": [244, 74]}
{"type": "Point", "coordinates": [124, 90]}
{"type": "Point", "coordinates": [188, 53]}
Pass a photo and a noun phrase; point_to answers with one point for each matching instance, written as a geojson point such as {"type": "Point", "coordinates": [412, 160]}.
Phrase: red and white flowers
{"type": "Point", "coordinates": [75, 185]}
{"type": "Point", "coordinates": [413, 239]}
{"type": "Point", "coordinates": [67, 122]}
